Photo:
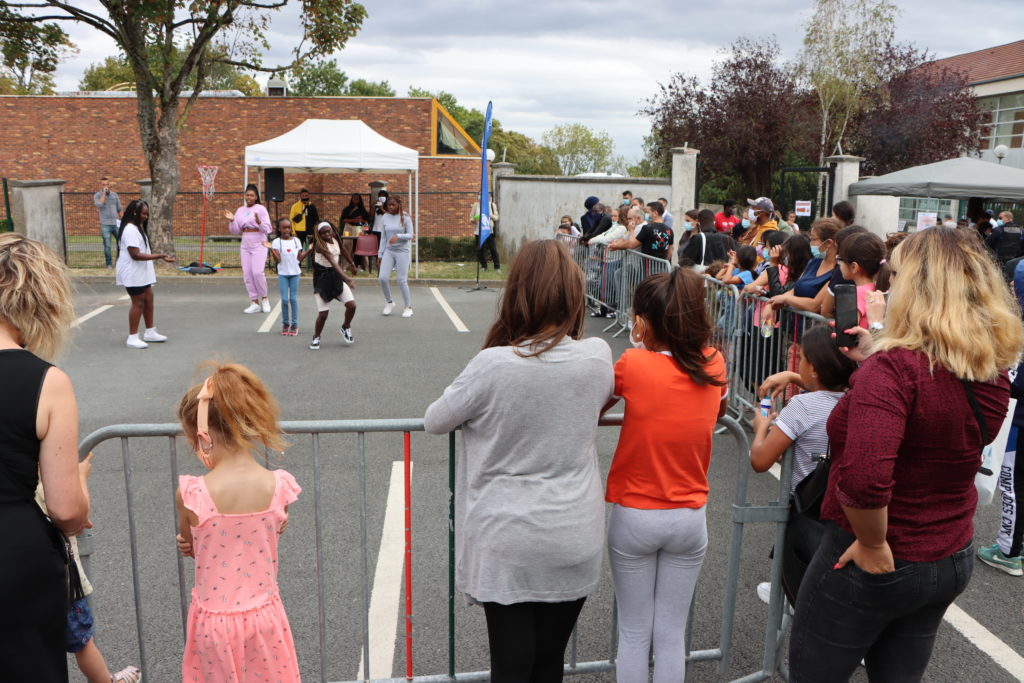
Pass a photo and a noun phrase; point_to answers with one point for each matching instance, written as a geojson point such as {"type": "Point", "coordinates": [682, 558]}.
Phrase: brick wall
{"type": "Point", "coordinates": [79, 139]}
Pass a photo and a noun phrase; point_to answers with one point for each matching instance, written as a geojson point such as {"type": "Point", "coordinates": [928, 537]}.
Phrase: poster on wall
{"type": "Point", "coordinates": [927, 219]}
{"type": "Point", "coordinates": [802, 207]}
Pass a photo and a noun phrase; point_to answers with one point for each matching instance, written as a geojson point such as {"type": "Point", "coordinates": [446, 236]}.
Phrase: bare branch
{"type": "Point", "coordinates": [250, 66]}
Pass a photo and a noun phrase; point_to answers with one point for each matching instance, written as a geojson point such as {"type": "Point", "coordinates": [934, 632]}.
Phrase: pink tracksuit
{"type": "Point", "coordinates": [254, 254]}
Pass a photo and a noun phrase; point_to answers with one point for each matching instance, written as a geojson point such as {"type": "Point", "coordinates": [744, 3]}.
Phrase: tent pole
{"type": "Point", "coordinates": [416, 224]}
{"type": "Point", "coordinates": [246, 176]}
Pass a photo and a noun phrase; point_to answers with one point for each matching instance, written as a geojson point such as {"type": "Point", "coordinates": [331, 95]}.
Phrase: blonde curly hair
{"type": "Point", "coordinates": [35, 295]}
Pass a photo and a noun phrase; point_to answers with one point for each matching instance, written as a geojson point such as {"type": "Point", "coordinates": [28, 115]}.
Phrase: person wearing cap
{"type": "Point", "coordinates": [764, 221]}
{"type": "Point", "coordinates": [726, 219]}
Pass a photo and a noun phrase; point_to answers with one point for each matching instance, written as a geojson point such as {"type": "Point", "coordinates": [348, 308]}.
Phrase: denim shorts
{"type": "Point", "coordinates": [80, 626]}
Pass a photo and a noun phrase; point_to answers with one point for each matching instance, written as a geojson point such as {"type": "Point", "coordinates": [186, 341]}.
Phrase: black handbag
{"type": "Point", "coordinates": [804, 528]}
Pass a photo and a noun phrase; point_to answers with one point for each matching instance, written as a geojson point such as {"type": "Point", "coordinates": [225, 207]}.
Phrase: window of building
{"type": "Point", "coordinates": [910, 207]}
{"type": "Point", "coordinates": [1006, 125]}
{"type": "Point", "coordinates": [450, 138]}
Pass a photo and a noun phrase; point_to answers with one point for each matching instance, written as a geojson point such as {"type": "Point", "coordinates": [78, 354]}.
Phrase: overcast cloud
{"type": "Point", "coordinates": [587, 61]}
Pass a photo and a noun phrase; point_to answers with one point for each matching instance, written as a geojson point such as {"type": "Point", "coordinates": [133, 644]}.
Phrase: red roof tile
{"type": "Point", "coordinates": [1002, 61]}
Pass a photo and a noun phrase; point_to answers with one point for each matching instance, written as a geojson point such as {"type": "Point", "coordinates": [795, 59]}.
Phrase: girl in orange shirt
{"type": "Point", "coordinates": [674, 385]}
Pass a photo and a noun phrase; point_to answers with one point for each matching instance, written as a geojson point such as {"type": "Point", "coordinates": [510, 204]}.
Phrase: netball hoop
{"type": "Point", "coordinates": [207, 174]}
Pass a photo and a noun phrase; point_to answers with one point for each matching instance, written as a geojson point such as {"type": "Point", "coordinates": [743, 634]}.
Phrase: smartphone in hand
{"type": "Point", "coordinates": [847, 315]}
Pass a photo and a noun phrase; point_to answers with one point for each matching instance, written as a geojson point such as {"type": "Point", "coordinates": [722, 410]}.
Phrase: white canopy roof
{"type": "Point", "coordinates": [951, 179]}
{"type": "Point", "coordinates": [329, 146]}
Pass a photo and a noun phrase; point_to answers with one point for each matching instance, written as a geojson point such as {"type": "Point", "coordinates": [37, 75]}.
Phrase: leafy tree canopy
{"type": "Point", "coordinates": [30, 53]}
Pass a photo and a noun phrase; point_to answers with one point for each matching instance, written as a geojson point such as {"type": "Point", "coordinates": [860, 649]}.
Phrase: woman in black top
{"type": "Point", "coordinates": [38, 438]}
{"type": "Point", "coordinates": [356, 215]}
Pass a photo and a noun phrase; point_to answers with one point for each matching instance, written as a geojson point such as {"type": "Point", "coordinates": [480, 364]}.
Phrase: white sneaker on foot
{"type": "Point", "coordinates": [764, 591]}
{"type": "Point", "coordinates": [135, 343]}
{"type": "Point", "coordinates": [253, 308]}
{"type": "Point", "coordinates": [151, 335]}
{"type": "Point", "coordinates": [266, 306]}
{"type": "Point", "coordinates": [388, 307]}
{"type": "Point", "coordinates": [346, 334]}
{"type": "Point", "coordinates": [315, 344]}
{"type": "Point", "coordinates": [407, 313]}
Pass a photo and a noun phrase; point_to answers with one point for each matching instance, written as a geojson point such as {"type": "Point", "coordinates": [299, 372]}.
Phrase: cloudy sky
{"type": "Point", "coordinates": [588, 61]}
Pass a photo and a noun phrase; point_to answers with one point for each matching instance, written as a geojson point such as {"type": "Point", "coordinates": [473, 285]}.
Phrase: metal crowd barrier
{"type": "Point", "coordinates": [743, 512]}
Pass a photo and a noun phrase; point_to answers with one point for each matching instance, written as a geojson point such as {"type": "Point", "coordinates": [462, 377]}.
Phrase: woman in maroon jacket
{"type": "Point", "coordinates": [905, 445]}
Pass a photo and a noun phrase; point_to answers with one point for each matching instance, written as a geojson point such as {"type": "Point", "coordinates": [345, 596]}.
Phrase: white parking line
{"type": "Point", "coordinates": [271, 319]}
{"type": "Point", "coordinates": [126, 297]}
{"type": "Point", "coordinates": [387, 580]}
{"type": "Point", "coordinates": [452, 315]}
{"type": "Point", "coordinates": [91, 314]}
{"type": "Point", "coordinates": [986, 641]}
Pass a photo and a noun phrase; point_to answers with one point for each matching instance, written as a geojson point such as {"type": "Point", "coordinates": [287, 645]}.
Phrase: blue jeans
{"type": "Point", "coordinates": [288, 285]}
{"type": "Point", "coordinates": [888, 620]}
{"type": "Point", "coordinates": [109, 234]}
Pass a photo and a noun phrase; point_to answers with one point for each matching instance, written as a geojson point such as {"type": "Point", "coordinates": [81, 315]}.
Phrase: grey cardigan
{"type": "Point", "coordinates": [529, 497]}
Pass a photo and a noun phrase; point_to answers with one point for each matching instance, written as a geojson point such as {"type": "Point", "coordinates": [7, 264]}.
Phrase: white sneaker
{"type": "Point", "coordinates": [266, 306]}
{"type": "Point", "coordinates": [253, 308]}
{"type": "Point", "coordinates": [346, 334]}
{"type": "Point", "coordinates": [135, 343]}
{"type": "Point", "coordinates": [152, 335]}
{"type": "Point", "coordinates": [764, 591]}
{"type": "Point", "coordinates": [407, 313]}
{"type": "Point", "coordinates": [388, 307]}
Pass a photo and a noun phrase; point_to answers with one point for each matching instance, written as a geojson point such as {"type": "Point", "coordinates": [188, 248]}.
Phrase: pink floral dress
{"type": "Point", "coordinates": [237, 627]}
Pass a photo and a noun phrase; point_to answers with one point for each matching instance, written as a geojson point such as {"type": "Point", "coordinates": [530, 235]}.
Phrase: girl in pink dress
{"type": "Point", "coordinates": [229, 521]}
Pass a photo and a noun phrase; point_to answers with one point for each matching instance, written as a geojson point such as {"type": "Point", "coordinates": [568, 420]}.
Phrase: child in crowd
{"type": "Point", "coordinates": [286, 250]}
{"type": "Point", "coordinates": [658, 484]}
{"type": "Point", "coordinates": [740, 270]}
{"type": "Point", "coordinates": [330, 282]}
{"type": "Point", "coordinates": [78, 637]}
{"type": "Point", "coordinates": [824, 374]}
{"type": "Point", "coordinates": [567, 227]}
{"type": "Point", "coordinates": [229, 521]}
{"type": "Point", "coordinates": [862, 260]}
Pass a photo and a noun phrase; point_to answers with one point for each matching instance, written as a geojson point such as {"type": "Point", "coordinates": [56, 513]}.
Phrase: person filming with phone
{"type": "Point", "coordinates": [905, 444]}
{"type": "Point", "coordinates": [109, 204]}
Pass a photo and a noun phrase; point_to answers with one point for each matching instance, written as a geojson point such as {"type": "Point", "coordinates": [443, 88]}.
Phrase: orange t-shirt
{"type": "Point", "coordinates": [664, 448]}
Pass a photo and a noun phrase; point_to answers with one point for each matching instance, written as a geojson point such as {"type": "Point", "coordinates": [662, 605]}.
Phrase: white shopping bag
{"type": "Point", "coordinates": [987, 478]}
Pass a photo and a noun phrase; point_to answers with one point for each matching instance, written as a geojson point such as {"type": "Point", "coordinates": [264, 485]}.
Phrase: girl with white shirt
{"type": "Point", "coordinates": [286, 250]}
{"type": "Point", "coordinates": [396, 232]}
{"type": "Point", "coordinates": [136, 274]}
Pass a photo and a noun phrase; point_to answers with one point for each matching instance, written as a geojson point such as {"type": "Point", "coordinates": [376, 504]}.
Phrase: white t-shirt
{"type": "Point", "coordinates": [289, 251]}
{"type": "Point", "coordinates": [132, 273]}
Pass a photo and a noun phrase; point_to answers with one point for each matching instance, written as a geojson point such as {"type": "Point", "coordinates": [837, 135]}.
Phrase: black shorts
{"type": "Point", "coordinates": [135, 291]}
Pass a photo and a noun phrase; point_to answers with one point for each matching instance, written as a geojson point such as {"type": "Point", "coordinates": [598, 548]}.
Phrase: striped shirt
{"type": "Point", "coordinates": [803, 420]}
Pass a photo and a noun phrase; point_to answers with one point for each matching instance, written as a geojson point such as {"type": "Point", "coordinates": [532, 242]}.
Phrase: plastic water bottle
{"type": "Point", "coordinates": [766, 406]}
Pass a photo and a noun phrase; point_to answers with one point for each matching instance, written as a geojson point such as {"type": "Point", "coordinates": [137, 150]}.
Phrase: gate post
{"type": "Point", "coordinates": [684, 180]}
{"type": "Point", "coordinates": [847, 173]}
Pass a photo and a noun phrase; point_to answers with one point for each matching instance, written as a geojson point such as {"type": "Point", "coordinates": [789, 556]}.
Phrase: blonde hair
{"type": "Point", "coordinates": [949, 300]}
{"type": "Point", "coordinates": [35, 295]}
{"type": "Point", "coordinates": [243, 413]}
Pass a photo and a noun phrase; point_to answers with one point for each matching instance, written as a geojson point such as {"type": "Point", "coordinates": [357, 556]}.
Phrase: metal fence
{"type": "Point", "coordinates": [445, 229]}
{"type": "Point", "coordinates": [150, 630]}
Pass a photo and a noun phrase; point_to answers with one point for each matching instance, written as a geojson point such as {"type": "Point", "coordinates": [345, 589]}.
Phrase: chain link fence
{"type": "Point", "coordinates": [445, 228]}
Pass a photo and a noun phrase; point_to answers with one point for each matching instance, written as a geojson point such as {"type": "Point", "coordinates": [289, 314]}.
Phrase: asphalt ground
{"type": "Point", "coordinates": [395, 368]}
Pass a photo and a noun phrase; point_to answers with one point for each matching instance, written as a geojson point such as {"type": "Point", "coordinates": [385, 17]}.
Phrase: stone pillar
{"type": "Point", "coordinates": [684, 181]}
{"type": "Point", "coordinates": [38, 212]}
{"type": "Point", "coordinates": [847, 173]}
{"type": "Point", "coordinates": [145, 191]}
{"type": "Point", "coordinates": [499, 169]}
{"type": "Point", "coordinates": [375, 187]}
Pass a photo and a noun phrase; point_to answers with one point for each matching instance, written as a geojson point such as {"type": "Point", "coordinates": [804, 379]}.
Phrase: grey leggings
{"type": "Point", "coordinates": [655, 558]}
{"type": "Point", "coordinates": [397, 260]}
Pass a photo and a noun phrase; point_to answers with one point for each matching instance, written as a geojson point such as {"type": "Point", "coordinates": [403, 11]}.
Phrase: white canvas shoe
{"type": "Point", "coordinates": [253, 308]}
{"type": "Point", "coordinates": [266, 306]}
{"type": "Point", "coordinates": [388, 307]}
{"type": "Point", "coordinates": [151, 335]}
{"type": "Point", "coordinates": [135, 343]}
{"type": "Point", "coordinates": [407, 313]}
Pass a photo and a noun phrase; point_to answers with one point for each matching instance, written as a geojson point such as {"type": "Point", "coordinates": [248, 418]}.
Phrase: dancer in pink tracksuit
{"type": "Point", "coordinates": [253, 222]}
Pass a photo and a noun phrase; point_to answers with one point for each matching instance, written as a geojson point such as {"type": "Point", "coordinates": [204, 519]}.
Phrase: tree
{"type": "Point", "coordinates": [745, 120]}
{"type": "Point", "coordinates": [655, 162]}
{"type": "Point", "coordinates": [528, 157]}
{"type": "Point", "coordinates": [918, 114]}
{"type": "Point", "coordinates": [322, 78]}
{"type": "Point", "coordinates": [839, 61]}
{"type": "Point", "coordinates": [148, 32]}
{"type": "Point", "coordinates": [364, 88]}
{"type": "Point", "coordinates": [114, 72]}
{"type": "Point", "coordinates": [31, 53]}
{"type": "Point", "coordinates": [578, 149]}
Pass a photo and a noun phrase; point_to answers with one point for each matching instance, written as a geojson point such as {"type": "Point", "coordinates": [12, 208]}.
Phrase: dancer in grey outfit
{"type": "Point", "coordinates": [396, 232]}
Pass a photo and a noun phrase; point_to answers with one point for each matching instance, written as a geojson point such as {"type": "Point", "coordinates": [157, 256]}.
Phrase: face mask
{"type": "Point", "coordinates": [815, 251]}
{"type": "Point", "coordinates": [625, 202]}
{"type": "Point", "coordinates": [999, 223]}
{"type": "Point", "coordinates": [750, 215]}
{"type": "Point", "coordinates": [647, 216]}
{"type": "Point", "coordinates": [746, 223]}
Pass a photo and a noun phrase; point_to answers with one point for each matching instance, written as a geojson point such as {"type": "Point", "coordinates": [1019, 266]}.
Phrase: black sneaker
{"type": "Point", "coordinates": [315, 344]}
{"type": "Point", "coordinates": [597, 314]}
{"type": "Point", "coordinates": [346, 334]}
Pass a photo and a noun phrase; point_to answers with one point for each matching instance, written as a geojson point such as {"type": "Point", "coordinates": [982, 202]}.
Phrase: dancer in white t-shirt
{"type": "Point", "coordinates": [136, 274]}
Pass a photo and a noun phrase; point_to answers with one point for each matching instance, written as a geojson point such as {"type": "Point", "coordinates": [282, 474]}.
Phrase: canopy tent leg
{"type": "Point", "coordinates": [416, 219]}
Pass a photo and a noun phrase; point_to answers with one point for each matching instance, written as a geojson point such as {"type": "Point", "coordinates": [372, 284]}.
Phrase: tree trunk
{"type": "Point", "coordinates": [159, 133]}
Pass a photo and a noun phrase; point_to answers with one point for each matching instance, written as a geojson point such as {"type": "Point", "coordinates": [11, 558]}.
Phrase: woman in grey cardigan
{"type": "Point", "coordinates": [529, 501]}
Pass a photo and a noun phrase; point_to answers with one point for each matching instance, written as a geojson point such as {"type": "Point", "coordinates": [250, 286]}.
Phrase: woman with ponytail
{"type": "Point", "coordinates": [674, 385]}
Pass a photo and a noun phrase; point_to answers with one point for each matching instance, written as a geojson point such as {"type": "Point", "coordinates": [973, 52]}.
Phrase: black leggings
{"type": "Point", "coordinates": [528, 639]}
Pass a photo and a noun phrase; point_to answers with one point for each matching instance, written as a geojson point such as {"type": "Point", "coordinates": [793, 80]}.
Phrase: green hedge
{"type": "Point", "coordinates": [448, 249]}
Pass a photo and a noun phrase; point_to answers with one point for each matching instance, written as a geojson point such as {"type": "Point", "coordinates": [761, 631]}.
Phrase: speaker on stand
{"type": "Point", "coordinates": [274, 180]}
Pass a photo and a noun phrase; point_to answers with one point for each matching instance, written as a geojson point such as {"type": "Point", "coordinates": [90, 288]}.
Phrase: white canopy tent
{"type": "Point", "coordinates": [959, 178]}
{"type": "Point", "coordinates": [339, 146]}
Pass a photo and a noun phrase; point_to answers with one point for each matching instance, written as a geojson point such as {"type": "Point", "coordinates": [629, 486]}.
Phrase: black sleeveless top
{"type": "Point", "coordinates": [23, 374]}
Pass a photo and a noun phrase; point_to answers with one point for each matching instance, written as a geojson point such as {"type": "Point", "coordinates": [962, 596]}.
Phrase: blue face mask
{"type": "Point", "coordinates": [815, 251]}
{"type": "Point", "coordinates": [625, 202]}
{"type": "Point", "coordinates": [647, 216]}
{"type": "Point", "coordinates": [999, 223]}
{"type": "Point", "coordinates": [746, 223]}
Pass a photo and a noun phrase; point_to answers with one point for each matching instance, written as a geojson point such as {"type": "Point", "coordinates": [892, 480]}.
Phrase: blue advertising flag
{"type": "Point", "coordinates": [485, 195]}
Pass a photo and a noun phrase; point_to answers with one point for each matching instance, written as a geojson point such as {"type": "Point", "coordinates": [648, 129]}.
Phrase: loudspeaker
{"type": "Point", "coordinates": [274, 179]}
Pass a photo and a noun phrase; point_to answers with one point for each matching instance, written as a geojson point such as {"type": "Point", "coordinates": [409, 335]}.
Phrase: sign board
{"type": "Point", "coordinates": [802, 208]}
{"type": "Point", "coordinates": [927, 219]}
